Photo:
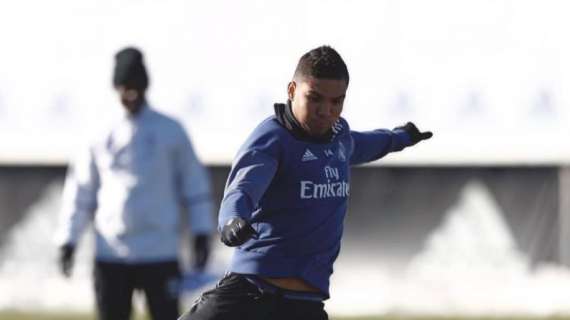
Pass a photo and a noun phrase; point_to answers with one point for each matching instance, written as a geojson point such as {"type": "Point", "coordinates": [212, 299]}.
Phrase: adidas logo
{"type": "Point", "coordinates": [308, 156]}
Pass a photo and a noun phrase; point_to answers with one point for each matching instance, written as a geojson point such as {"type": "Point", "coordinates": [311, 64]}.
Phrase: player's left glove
{"type": "Point", "coordinates": [415, 134]}
{"type": "Point", "coordinates": [201, 251]}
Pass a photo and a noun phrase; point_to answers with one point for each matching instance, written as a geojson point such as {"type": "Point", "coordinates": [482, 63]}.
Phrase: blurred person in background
{"type": "Point", "coordinates": [131, 184]}
{"type": "Point", "coordinates": [287, 195]}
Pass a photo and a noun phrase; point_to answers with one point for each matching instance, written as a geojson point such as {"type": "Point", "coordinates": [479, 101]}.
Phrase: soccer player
{"type": "Point", "coordinates": [131, 185]}
{"type": "Point", "coordinates": [286, 198]}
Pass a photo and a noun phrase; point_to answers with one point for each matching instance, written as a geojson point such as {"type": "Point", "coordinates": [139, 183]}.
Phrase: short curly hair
{"type": "Point", "coordinates": [323, 62]}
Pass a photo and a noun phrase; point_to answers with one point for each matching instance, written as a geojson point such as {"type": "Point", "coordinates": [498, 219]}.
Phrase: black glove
{"type": "Point", "coordinates": [66, 259]}
{"type": "Point", "coordinates": [415, 134]}
{"type": "Point", "coordinates": [236, 231]}
{"type": "Point", "coordinates": [201, 251]}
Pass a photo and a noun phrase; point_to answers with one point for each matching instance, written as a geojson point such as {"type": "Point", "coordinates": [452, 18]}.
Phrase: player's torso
{"type": "Point", "coordinates": [310, 174]}
{"type": "Point", "coordinates": [307, 199]}
{"type": "Point", "coordinates": [316, 173]}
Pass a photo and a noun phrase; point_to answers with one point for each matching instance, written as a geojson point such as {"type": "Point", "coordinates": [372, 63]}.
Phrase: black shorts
{"type": "Point", "coordinates": [115, 283]}
{"type": "Point", "coordinates": [236, 298]}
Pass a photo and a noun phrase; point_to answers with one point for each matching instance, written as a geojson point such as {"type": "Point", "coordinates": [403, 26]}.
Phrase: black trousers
{"type": "Point", "coordinates": [236, 298]}
{"type": "Point", "coordinates": [116, 282]}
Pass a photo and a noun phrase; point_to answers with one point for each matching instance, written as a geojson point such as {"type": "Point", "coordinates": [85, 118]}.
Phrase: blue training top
{"type": "Point", "coordinates": [295, 195]}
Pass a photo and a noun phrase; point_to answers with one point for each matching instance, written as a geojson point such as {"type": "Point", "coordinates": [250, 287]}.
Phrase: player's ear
{"type": "Point", "coordinates": [291, 90]}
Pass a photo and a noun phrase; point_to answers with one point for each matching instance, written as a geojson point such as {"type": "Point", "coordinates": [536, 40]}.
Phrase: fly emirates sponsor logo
{"type": "Point", "coordinates": [333, 188]}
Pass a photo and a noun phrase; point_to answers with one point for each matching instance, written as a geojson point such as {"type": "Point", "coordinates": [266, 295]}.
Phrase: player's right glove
{"type": "Point", "coordinates": [236, 232]}
{"type": "Point", "coordinates": [66, 259]}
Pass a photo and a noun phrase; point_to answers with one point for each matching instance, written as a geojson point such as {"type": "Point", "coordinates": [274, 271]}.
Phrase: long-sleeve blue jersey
{"type": "Point", "coordinates": [295, 195]}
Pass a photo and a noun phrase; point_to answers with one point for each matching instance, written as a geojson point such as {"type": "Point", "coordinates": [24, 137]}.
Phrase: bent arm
{"type": "Point", "coordinates": [249, 178]}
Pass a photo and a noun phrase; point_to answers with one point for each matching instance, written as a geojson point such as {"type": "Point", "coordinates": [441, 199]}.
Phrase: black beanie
{"type": "Point", "coordinates": [129, 69]}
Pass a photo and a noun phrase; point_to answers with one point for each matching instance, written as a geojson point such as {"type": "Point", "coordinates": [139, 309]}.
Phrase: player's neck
{"type": "Point", "coordinates": [285, 116]}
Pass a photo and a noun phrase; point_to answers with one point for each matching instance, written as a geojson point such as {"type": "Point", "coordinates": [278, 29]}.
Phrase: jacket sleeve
{"type": "Point", "coordinates": [79, 199]}
{"type": "Point", "coordinates": [372, 145]}
{"type": "Point", "coordinates": [193, 186]}
{"type": "Point", "coordinates": [252, 172]}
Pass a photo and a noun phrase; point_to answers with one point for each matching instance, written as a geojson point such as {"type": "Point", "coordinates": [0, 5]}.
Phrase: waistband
{"type": "Point", "coordinates": [268, 288]}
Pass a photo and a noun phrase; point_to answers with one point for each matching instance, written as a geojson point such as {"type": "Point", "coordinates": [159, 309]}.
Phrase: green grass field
{"type": "Point", "coordinates": [5, 315]}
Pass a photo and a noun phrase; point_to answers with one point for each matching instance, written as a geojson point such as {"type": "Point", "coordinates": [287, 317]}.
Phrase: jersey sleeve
{"type": "Point", "coordinates": [372, 145]}
{"type": "Point", "coordinates": [193, 186]}
{"type": "Point", "coordinates": [250, 176]}
{"type": "Point", "coordinates": [79, 199]}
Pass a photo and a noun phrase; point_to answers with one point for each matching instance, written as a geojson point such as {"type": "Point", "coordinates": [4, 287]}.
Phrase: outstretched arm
{"type": "Point", "coordinates": [372, 145]}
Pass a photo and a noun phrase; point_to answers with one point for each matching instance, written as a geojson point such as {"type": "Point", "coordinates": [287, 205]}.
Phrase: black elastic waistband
{"type": "Point", "coordinates": [268, 288]}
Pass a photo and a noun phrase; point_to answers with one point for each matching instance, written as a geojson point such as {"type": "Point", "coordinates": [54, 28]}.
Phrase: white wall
{"type": "Point", "coordinates": [488, 77]}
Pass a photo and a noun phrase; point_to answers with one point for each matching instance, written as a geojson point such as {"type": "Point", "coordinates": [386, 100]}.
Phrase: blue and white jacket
{"type": "Point", "coordinates": [294, 192]}
{"type": "Point", "coordinates": [131, 184]}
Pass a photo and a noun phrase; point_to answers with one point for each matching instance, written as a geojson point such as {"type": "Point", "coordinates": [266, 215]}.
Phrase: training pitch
{"type": "Point", "coordinates": [9, 315]}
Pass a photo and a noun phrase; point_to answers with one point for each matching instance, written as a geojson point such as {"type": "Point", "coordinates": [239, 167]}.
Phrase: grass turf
{"type": "Point", "coordinates": [16, 315]}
